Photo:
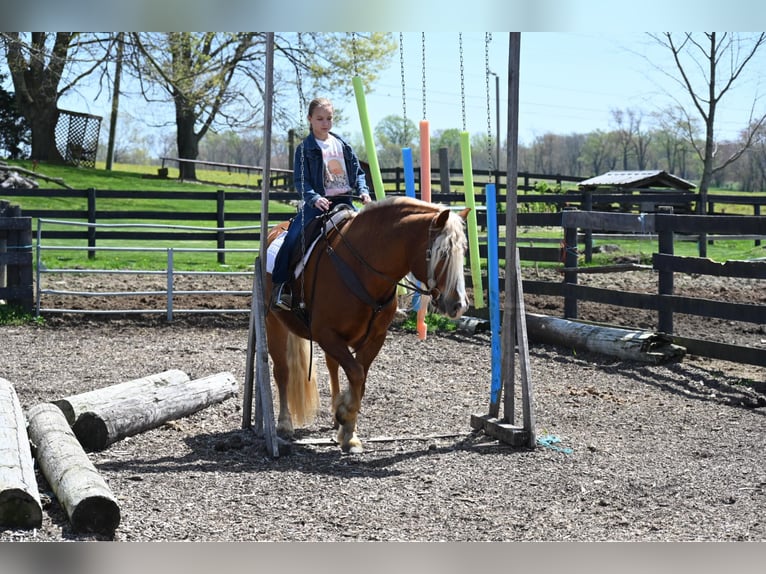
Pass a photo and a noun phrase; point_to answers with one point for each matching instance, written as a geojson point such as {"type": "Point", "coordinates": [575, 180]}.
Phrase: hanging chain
{"type": "Point", "coordinates": [401, 68]}
{"type": "Point", "coordinates": [462, 78]}
{"type": "Point", "coordinates": [423, 59]}
{"type": "Point", "coordinates": [353, 53]}
{"type": "Point", "coordinates": [302, 103]}
{"type": "Point", "coordinates": [490, 146]}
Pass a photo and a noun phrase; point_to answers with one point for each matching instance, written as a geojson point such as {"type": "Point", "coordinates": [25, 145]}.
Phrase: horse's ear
{"type": "Point", "coordinates": [464, 213]}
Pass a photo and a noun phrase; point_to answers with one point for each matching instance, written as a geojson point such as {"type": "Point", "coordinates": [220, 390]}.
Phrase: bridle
{"type": "Point", "coordinates": [431, 290]}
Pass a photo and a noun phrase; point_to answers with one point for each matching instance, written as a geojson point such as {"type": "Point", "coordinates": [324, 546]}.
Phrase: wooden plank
{"type": "Point", "coordinates": [706, 266]}
{"type": "Point", "coordinates": [744, 312]}
{"type": "Point", "coordinates": [723, 351]}
{"type": "Point", "coordinates": [727, 224]}
{"type": "Point", "coordinates": [639, 223]}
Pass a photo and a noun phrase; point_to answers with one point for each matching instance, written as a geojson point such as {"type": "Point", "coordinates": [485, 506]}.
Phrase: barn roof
{"type": "Point", "coordinates": [637, 179]}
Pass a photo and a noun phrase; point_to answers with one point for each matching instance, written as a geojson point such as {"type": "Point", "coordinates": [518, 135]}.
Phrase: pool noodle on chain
{"type": "Point", "coordinates": [473, 232]}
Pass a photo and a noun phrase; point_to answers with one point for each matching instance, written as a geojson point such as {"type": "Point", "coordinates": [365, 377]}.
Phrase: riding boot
{"type": "Point", "coordinates": [281, 297]}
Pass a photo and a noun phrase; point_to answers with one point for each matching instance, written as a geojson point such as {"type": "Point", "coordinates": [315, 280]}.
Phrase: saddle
{"type": "Point", "coordinates": [337, 216]}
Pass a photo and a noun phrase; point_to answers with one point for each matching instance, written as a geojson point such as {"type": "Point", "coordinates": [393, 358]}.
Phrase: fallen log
{"type": "Point", "coordinates": [644, 346]}
{"type": "Point", "coordinates": [19, 497]}
{"type": "Point", "coordinates": [82, 492]}
{"type": "Point", "coordinates": [147, 409]}
{"type": "Point", "coordinates": [74, 406]}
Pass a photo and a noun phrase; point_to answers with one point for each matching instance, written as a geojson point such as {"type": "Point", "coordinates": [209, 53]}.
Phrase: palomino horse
{"type": "Point", "coordinates": [349, 288]}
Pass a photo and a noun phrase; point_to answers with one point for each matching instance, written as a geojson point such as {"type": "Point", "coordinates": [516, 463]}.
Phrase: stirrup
{"type": "Point", "coordinates": [282, 298]}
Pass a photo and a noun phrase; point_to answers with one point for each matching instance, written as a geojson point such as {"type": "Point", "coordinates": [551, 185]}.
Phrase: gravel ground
{"type": "Point", "coordinates": [670, 452]}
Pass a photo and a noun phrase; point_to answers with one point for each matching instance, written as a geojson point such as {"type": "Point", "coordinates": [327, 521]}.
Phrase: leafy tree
{"type": "Point", "coordinates": [14, 131]}
{"type": "Point", "coordinates": [392, 134]}
{"type": "Point", "coordinates": [210, 77]}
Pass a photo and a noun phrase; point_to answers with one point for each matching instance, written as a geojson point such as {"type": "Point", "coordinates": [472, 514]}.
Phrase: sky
{"type": "Point", "coordinates": [570, 82]}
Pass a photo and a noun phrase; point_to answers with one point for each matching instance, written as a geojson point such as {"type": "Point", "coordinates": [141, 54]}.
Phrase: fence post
{"type": "Point", "coordinates": [663, 225]}
{"type": "Point", "coordinates": [220, 212]}
{"type": "Point", "coordinates": [169, 275]}
{"type": "Point", "coordinates": [92, 221]}
{"type": "Point", "coordinates": [444, 170]}
{"type": "Point", "coordinates": [757, 212]}
{"type": "Point", "coordinates": [587, 205]}
{"type": "Point", "coordinates": [570, 277]}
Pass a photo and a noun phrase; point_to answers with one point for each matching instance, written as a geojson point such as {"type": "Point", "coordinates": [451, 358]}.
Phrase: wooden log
{"type": "Point", "coordinates": [147, 409]}
{"type": "Point", "coordinates": [82, 492]}
{"type": "Point", "coordinates": [74, 406]}
{"type": "Point", "coordinates": [19, 497]}
{"type": "Point", "coordinates": [644, 346]}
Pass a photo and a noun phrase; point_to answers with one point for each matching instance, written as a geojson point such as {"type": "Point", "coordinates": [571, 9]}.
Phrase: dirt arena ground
{"type": "Point", "coordinates": [628, 451]}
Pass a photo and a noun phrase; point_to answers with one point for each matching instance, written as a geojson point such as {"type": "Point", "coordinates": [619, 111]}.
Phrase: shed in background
{"type": "Point", "coordinates": [647, 184]}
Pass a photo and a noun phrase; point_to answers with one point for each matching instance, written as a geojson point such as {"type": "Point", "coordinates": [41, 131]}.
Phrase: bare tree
{"type": "Point", "coordinates": [211, 77]}
{"type": "Point", "coordinates": [44, 66]}
{"type": "Point", "coordinates": [708, 65]}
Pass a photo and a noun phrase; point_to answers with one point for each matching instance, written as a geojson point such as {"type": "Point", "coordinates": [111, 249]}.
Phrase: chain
{"type": "Point", "coordinates": [462, 78]}
{"type": "Point", "coordinates": [490, 155]}
{"type": "Point", "coordinates": [423, 50]}
{"type": "Point", "coordinates": [401, 67]}
{"type": "Point", "coordinates": [303, 167]}
{"type": "Point", "coordinates": [353, 53]}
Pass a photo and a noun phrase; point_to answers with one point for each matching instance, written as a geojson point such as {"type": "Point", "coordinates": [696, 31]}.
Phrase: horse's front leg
{"type": "Point", "coordinates": [348, 403]}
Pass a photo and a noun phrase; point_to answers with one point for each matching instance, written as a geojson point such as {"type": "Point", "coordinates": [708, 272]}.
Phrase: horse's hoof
{"type": "Point", "coordinates": [352, 448]}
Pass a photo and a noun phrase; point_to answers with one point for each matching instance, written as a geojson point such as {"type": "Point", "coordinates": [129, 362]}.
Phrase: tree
{"type": "Point", "coordinates": [708, 65]}
{"type": "Point", "coordinates": [392, 134]}
{"type": "Point", "coordinates": [43, 67]}
{"type": "Point", "coordinates": [209, 77]}
{"type": "Point", "coordinates": [14, 131]}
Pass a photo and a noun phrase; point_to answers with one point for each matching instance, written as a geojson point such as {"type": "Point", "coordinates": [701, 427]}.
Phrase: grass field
{"type": "Point", "coordinates": [138, 178]}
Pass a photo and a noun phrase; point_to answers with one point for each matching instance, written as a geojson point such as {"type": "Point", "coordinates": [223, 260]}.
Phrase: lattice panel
{"type": "Point", "coordinates": [77, 137]}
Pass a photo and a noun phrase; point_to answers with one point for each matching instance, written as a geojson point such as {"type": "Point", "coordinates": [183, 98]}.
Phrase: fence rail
{"type": "Point", "coordinates": [577, 223]}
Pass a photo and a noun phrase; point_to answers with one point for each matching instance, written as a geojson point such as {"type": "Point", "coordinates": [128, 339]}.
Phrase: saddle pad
{"type": "Point", "coordinates": [275, 245]}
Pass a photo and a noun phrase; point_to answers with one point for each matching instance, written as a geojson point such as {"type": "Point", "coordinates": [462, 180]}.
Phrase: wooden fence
{"type": "Point", "coordinates": [534, 210]}
{"type": "Point", "coordinates": [16, 284]}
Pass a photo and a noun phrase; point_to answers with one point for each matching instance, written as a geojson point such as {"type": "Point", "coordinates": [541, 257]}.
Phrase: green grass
{"type": "Point", "coordinates": [11, 315]}
{"type": "Point", "coordinates": [142, 178]}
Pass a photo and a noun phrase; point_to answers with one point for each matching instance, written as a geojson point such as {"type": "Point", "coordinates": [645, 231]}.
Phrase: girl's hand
{"type": "Point", "coordinates": [322, 203]}
{"type": "Point", "coordinates": [365, 197]}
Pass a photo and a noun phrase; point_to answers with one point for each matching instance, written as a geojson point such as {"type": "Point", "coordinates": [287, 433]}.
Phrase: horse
{"type": "Point", "coordinates": [348, 289]}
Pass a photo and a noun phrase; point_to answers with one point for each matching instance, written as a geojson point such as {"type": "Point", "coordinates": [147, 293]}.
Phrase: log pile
{"type": "Point", "coordinates": [56, 435]}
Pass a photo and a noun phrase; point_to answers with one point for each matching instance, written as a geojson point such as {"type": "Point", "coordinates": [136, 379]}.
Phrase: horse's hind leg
{"type": "Point", "coordinates": [332, 368]}
{"type": "Point", "coordinates": [277, 343]}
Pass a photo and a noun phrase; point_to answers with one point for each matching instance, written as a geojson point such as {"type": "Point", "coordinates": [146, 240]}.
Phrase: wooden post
{"type": "Point", "coordinates": [82, 492]}
{"type": "Point", "coordinates": [75, 405]}
{"type": "Point", "coordinates": [665, 279]}
{"type": "Point", "coordinates": [19, 497]}
{"type": "Point", "coordinates": [129, 415]}
{"type": "Point", "coordinates": [570, 277]}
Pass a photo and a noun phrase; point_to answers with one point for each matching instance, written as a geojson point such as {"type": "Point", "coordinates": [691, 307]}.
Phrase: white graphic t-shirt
{"type": "Point", "coordinates": [335, 176]}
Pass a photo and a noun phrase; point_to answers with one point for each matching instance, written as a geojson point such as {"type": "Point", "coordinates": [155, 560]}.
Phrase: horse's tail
{"type": "Point", "coordinates": [302, 391]}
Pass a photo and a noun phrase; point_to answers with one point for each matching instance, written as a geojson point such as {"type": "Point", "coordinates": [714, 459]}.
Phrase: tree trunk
{"type": "Point", "coordinates": [82, 492]}
{"type": "Point", "coordinates": [75, 405]}
{"type": "Point", "coordinates": [19, 497]}
{"type": "Point", "coordinates": [128, 414]}
{"type": "Point", "coordinates": [188, 144]}
{"type": "Point", "coordinates": [647, 347]}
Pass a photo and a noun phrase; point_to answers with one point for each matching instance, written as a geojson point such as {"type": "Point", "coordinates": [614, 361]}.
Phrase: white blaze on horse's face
{"type": "Point", "coordinates": [447, 257]}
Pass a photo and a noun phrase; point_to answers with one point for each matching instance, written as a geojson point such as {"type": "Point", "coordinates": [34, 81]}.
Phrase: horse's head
{"type": "Point", "coordinates": [445, 257]}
